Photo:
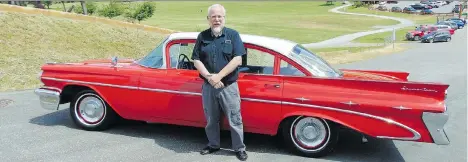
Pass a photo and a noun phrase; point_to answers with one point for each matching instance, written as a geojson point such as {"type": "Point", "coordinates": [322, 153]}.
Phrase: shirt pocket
{"type": "Point", "coordinates": [227, 49]}
{"type": "Point", "coordinates": [206, 47]}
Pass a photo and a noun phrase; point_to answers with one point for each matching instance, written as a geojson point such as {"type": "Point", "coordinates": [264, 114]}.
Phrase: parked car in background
{"type": "Point", "coordinates": [396, 9]}
{"type": "Point", "coordinates": [418, 6]}
{"type": "Point", "coordinates": [452, 24]}
{"type": "Point", "coordinates": [437, 36]}
{"type": "Point", "coordinates": [456, 18]}
{"type": "Point", "coordinates": [460, 23]}
{"type": "Point", "coordinates": [419, 32]}
{"type": "Point", "coordinates": [426, 12]}
{"type": "Point", "coordinates": [409, 10]}
{"type": "Point", "coordinates": [445, 28]}
{"type": "Point", "coordinates": [433, 4]}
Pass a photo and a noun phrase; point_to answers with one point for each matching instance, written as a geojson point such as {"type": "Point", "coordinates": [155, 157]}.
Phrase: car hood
{"type": "Point", "coordinates": [362, 75]}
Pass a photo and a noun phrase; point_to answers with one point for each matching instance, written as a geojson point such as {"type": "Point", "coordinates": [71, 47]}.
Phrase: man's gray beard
{"type": "Point", "coordinates": [216, 31]}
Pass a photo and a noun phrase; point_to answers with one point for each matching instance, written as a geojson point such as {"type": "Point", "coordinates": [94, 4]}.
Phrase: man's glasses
{"type": "Point", "coordinates": [216, 16]}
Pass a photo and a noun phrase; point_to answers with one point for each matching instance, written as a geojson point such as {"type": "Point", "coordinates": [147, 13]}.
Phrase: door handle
{"type": "Point", "coordinates": [198, 79]}
{"type": "Point", "coordinates": [272, 85]}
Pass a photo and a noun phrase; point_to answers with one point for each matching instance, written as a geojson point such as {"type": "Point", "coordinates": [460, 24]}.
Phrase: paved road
{"type": "Point", "coordinates": [30, 133]}
{"type": "Point", "coordinates": [345, 40]}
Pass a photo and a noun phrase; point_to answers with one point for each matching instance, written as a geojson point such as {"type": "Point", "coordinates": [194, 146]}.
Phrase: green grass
{"type": "Point", "coordinates": [324, 51]}
{"type": "Point", "coordinates": [417, 19]}
{"type": "Point", "coordinates": [400, 33]}
{"type": "Point", "coordinates": [380, 37]}
{"type": "Point", "coordinates": [303, 22]}
{"type": "Point", "coordinates": [29, 41]}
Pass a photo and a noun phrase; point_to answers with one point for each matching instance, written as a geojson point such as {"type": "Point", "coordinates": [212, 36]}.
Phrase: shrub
{"type": "Point", "coordinates": [90, 6]}
{"type": "Point", "coordinates": [113, 9]}
{"type": "Point", "coordinates": [141, 11]}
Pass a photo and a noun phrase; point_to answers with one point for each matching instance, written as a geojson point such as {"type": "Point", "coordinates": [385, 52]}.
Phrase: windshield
{"type": "Point", "coordinates": [154, 59]}
{"type": "Point", "coordinates": [313, 63]}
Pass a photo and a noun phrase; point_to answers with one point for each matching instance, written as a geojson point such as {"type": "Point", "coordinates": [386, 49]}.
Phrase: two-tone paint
{"type": "Point", "coordinates": [381, 104]}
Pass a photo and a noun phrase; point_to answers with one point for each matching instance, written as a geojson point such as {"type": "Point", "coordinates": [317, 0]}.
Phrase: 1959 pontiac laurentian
{"type": "Point", "coordinates": [285, 90]}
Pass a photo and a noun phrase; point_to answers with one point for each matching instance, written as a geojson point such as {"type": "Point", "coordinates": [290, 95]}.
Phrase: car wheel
{"type": "Point", "coordinates": [416, 38]}
{"type": "Point", "coordinates": [448, 40]}
{"type": "Point", "coordinates": [431, 40]}
{"type": "Point", "coordinates": [90, 112]}
{"type": "Point", "coordinates": [310, 136]}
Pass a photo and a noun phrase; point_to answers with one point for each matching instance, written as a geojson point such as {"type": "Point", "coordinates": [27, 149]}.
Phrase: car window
{"type": "Point", "coordinates": [290, 70]}
{"type": "Point", "coordinates": [154, 59]}
{"type": "Point", "coordinates": [257, 62]}
{"type": "Point", "coordinates": [180, 56]}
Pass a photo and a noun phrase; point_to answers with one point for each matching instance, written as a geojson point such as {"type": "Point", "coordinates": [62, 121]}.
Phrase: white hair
{"type": "Point", "coordinates": [214, 6]}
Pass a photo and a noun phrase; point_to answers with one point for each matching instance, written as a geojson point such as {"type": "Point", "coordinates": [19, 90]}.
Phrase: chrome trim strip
{"type": "Point", "coordinates": [260, 100]}
{"type": "Point", "coordinates": [169, 91]}
{"type": "Point", "coordinates": [416, 135]}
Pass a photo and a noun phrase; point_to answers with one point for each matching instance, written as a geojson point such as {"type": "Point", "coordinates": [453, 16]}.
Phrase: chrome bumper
{"type": "Point", "coordinates": [435, 124]}
{"type": "Point", "coordinates": [49, 99]}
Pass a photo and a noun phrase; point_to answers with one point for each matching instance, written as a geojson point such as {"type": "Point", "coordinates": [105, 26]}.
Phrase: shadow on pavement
{"type": "Point", "coordinates": [182, 139]}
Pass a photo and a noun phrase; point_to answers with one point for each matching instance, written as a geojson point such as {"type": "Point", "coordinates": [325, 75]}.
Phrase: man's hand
{"type": "Point", "coordinates": [214, 79]}
{"type": "Point", "coordinates": [219, 85]}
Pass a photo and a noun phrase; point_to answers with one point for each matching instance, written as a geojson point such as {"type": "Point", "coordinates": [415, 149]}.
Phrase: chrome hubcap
{"type": "Point", "coordinates": [310, 132]}
{"type": "Point", "coordinates": [91, 110]}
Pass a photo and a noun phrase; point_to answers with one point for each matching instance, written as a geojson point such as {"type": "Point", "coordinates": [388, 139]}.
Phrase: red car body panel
{"type": "Point", "coordinates": [377, 103]}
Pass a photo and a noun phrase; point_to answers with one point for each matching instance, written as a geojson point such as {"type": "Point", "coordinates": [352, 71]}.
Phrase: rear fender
{"type": "Point", "coordinates": [323, 116]}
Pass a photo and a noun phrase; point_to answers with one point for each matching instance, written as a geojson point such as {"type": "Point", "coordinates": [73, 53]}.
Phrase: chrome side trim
{"type": "Point", "coordinates": [416, 135]}
{"type": "Point", "coordinates": [169, 91]}
{"type": "Point", "coordinates": [435, 124]}
{"type": "Point", "coordinates": [401, 107]}
{"type": "Point", "coordinates": [92, 83]}
{"type": "Point", "coordinates": [260, 100]}
{"type": "Point", "coordinates": [49, 99]}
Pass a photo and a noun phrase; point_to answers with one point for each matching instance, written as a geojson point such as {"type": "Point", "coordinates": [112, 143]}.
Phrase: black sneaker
{"type": "Point", "coordinates": [208, 150]}
{"type": "Point", "coordinates": [241, 155]}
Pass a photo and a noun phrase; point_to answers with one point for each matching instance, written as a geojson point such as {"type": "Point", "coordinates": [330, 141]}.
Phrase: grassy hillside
{"type": "Point", "coordinates": [28, 41]}
{"type": "Point", "coordinates": [304, 22]}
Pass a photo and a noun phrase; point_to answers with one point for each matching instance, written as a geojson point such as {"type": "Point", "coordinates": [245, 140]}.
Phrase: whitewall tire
{"type": "Point", "coordinates": [90, 112]}
{"type": "Point", "coordinates": [310, 136]}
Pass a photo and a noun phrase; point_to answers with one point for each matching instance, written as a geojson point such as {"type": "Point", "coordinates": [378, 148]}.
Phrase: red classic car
{"type": "Point", "coordinates": [285, 90]}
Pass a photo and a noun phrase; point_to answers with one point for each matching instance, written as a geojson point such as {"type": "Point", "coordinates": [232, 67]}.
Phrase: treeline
{"type": "Point", "coordinates": [132, 11]}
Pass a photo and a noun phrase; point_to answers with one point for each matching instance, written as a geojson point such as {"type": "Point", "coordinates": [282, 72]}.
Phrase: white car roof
{"type": "Point", "coordinates": [276, 44]}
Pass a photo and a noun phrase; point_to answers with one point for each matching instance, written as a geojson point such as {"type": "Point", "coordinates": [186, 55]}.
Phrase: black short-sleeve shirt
{"type": "Point", "coordinates": [216, 52]}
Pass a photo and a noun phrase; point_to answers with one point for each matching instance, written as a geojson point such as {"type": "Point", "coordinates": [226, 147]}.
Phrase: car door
{"type": "Point", "coordinates": [260, 90]}
{"type": "Point", "coordinates": [153, 83]}
{"type": "Point", "coordinates": [185, 106]}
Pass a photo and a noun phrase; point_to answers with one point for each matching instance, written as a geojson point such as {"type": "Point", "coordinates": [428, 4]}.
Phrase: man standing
{"type": "Point", "coordinates": [217, 54]}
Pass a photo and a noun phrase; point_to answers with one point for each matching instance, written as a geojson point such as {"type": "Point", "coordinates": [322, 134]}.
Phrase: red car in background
{"type": "Point", "coordinates": [419, 32]}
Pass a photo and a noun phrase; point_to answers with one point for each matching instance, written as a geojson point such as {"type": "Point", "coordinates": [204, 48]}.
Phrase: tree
{"type": "Point", "coordinates": [83, 6]}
